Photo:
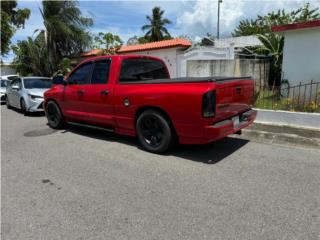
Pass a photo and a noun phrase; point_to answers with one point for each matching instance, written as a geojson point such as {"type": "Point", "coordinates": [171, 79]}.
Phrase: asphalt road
{"type": "Point", "coordinates": [85, 184]}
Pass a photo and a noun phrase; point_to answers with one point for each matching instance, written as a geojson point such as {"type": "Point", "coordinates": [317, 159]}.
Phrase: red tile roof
{"type": "Point", "coordinates": [91, 53]}
{"type": "Point", "coordinates": [295, 26]}
{"type": "Point", "coordinates": [176, 42]}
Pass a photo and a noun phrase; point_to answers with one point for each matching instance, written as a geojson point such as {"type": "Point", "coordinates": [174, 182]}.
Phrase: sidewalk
{"type": "Point", "coordinates": [281, 134]}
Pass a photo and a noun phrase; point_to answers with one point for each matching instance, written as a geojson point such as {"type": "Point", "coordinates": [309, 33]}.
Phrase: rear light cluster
{"type": "Point", "coordinates": [209, 104]}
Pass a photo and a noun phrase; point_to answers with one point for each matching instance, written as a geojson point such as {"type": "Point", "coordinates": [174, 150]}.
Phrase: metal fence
{"type": "Point", "coordinates": [304, 97]}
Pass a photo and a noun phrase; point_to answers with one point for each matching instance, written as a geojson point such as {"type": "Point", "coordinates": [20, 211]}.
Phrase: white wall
{"type": "Point", "coordinates": [301, 56]}
{"type": "Point", "coordinates": [202, 53]}
{"type": "Point", "coordinates": [169, 56]}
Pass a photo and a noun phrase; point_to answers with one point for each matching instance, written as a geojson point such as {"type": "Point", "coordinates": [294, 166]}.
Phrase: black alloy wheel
{"type": "Point", "coordinates": [54, 115]}
{"type": "Point", "coordinates": [154, 131]}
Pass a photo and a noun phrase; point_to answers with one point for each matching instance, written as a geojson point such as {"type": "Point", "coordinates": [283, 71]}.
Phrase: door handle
{"type": "Point", "coordinates": [80, 92]}
{"type": "Point", "coordinates": [104, 92]}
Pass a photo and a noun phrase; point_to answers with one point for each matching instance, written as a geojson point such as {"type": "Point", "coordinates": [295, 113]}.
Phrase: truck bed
{"type": "Point", "coordinates": [218, 79]}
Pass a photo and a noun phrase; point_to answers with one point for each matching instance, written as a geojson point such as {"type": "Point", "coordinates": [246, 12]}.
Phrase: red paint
{"type": "Point", "coordinates": [182, 102]}
{"type": "Point", "coordinates": [296, 26]}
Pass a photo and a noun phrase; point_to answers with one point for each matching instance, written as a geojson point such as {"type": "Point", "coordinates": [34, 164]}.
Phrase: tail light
{"type": "Point", "coordinates": [209, 104]}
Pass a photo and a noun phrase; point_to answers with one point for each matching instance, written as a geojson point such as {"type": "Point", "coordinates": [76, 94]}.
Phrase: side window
{"type": "Point", "coordinates": [81, 75]}
{"type": "Point", "coordinates": [142, 70]}
{"type": "Point", "coordinates": [100, 73]}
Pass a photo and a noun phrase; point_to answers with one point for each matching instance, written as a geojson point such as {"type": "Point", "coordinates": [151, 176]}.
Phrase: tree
{"type": "Point", "coordinates": [108, 42]}
{"type": "Point", "coordinates": [11, 19]}
{"type": "Point", "coordinates": [64, 33]}
{"type": "Point", "coordinates": [156, 29]}
{"type": "Point", "coordinates": [31, 56]}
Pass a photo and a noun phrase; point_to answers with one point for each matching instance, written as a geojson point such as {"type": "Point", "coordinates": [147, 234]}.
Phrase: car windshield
{"type": "Point", "coordinates": [4, 83]}
{"type": "Point", "coordinates": [37, 83]}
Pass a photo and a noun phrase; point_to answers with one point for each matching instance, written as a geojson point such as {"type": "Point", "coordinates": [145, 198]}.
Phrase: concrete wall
{"type": "Point", "coordinates": [258, 69]}
{"type": "Point", "coordinates": [301, 56]}
{"type": "Point", "coordinates": [204, 54]}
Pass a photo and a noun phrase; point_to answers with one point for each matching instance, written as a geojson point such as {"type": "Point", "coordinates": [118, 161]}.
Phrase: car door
{"type": "Point", "coordinates": [15, 89]}
{"type": "Point", "coordinates": [99, 94]}
{"type": "Point", "coordinates": [75, 93]}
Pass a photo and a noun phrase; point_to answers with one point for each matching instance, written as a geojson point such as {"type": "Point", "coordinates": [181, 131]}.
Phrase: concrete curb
{"type": "Point", "coordinates": [281, 138]}
{"type": "Point", "coordinates": [279, 134]}
{"type": "Point", "coordinates": [294, 119]}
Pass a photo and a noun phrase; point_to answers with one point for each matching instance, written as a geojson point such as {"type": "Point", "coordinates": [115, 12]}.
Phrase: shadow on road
{"type": "Point", "coordinates": [209, 153]}
{"type": "Point", "coordinates": [30, 114]}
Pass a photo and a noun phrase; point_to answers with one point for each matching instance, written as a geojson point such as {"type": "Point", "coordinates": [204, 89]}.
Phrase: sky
{"type": "Point", "coordinates": [194, 18]}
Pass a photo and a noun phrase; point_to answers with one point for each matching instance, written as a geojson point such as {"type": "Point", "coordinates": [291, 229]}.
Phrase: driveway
{"type": "Point", "coordinates": [85, 184]}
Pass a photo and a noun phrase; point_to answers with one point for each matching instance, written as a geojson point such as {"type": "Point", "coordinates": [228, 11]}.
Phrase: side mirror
{"type": "Point", "coordinates": [59, 79]}
{"type": "Point", "coordinates": [15, 87]}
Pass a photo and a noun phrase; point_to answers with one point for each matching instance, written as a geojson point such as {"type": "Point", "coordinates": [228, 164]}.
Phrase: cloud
{"type": "Point", "coordinates": [202, 18]}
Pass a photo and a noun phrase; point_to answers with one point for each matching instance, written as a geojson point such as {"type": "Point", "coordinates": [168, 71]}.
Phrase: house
{"type": "Point", "coordinates": [301, 52]}
{"type": "Point", "coordinates": [167, 50]}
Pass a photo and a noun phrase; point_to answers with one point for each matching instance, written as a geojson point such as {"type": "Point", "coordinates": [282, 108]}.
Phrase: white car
{"type": "Point", "coordinates": [26, 93]}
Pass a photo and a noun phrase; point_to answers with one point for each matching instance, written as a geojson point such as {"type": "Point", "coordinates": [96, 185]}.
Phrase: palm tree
{"type": "Point", "coordinates": [64, 32]}
{"type": "Point", "coordinates": [156, 29]}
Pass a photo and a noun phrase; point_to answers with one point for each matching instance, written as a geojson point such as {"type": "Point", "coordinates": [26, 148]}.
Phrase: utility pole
{"type": "Point", "coordinates": [218, 25]}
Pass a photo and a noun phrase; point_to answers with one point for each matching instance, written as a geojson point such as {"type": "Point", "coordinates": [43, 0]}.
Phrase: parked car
{"type": "Point", "coordinates": [3, 90]}
{"type": "Point", "coordinates": [26, 93]}
{"type": "Point", "coordinates": [134, 95]}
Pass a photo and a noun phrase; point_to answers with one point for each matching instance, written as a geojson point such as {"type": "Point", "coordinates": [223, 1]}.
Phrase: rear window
{"type": "Point", "coordinates": [142, 70]}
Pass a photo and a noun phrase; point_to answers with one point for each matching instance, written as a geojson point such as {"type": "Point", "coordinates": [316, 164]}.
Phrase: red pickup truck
{"type": "Point", "coordinates": [134, 95]}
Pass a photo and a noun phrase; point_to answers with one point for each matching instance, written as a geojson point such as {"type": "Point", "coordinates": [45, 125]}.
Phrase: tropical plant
{"type": "Point", "coordinates": [156, 29]}
{"type": "Point", "coordinates": [272, 47]}
{"type": "Point", "coordinates": [64, 33]}
{"type": "Point", "coordinates": [11, 19]}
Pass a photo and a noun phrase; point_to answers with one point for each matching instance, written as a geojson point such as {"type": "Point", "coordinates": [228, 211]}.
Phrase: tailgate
{"type": "Point", "coordinates": [233, 97]}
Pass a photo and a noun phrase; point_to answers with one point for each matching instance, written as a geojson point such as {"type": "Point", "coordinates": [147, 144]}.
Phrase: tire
{"type": "Point", "coordinates": [154, 132]}
{"type": "Point", "coordinates": [7, 103]}
{"type": "Point", "coordinates": [23, 107]}
{"type": "Point", "coordinates": [54, 115]}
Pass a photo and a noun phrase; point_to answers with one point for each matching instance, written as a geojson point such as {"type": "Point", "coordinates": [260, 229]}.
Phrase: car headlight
{"type": "Point", "coordinates": [34, 97]}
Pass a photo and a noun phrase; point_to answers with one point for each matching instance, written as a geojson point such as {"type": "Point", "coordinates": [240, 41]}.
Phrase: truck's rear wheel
{"type": "Point", "coordinates": [54, 115]}
{"type": "Point", "coordinates": [154, 131]}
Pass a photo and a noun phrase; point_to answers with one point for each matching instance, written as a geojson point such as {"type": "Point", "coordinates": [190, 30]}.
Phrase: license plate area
{"type": "Point", "coordinates": [236, 121]}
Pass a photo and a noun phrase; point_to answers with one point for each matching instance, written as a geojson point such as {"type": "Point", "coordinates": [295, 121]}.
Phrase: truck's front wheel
{"type": "Point", "coordinates": [154, 131]}
{"type": "Point", "coordinates": [54, 115]}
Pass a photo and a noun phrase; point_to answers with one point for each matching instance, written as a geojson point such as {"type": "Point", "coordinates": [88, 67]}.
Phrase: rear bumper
{"type": "Point", "coordinates": [222, 129]}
